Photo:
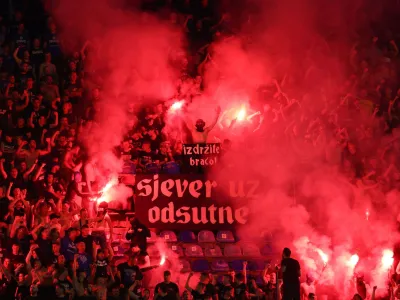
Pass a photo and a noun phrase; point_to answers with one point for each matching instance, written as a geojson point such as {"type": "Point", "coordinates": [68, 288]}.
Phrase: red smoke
{"type": "Point", "coordinates": [307, 203]}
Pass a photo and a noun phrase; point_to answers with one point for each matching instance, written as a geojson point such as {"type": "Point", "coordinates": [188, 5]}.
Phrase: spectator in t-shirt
{"type": "Point", "coordinates": [68, 247]}
{"type": "Point", "coordinates": [167, 286]}
{"type": "Point", "coordinates": [47, 64]}
{"type": "Point", "coordinates": [129, 271]}
{"type": "Point", "coordinates": [291, 276]}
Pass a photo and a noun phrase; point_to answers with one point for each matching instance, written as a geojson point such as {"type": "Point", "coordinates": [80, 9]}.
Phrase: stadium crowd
{"type": "Point", "coordinates": [55, 248]}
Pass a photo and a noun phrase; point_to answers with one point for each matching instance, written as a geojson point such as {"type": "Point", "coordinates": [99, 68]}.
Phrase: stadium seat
{"type": "Point", "coordinates": [177, 250]}
{"type": "Point", "coordinates": [213, 251]}
{"type": "Point", "coordinates": [251, 250]}
{"type": "Point", "coordinates": [152, 168]}
{"type": "Point", "coordinates": [237, 265]}
{"type": "Point", "coordinates": [128, 168]}
{"type": "Point", "coordinates": [171, 168]}
{"type": "Point", "coordinates": [121, 248]}
{"type": "Point", "coordinates": [206, 236]}
{"type": "Point", "coordinates": [219, 266]}
{"type": "Point", "coordinates": [232, 251]}
{"type": "Point", "coordinates": [267, 250]}
{"type": "Point", "coordinates": [184, 265]}
{"type": "Point", "coordinates": [152, 238]}
{"type": "Point", "coordinates": [187, 236]}
{"type": "Point", "coordinates": [256, 265]}
{"type": "Point", "coordinates": [194, 251]}
{"type": "Point", "coordinates": [168, 236]}
{"type": "Point", "coordinates": [267, 236]}
{"type": "Point", "coordinates": [225, 236]}
{"type": "Point", "coordinates": [153, 251]}
{"type": "Point", "coordinates": [200, 265]}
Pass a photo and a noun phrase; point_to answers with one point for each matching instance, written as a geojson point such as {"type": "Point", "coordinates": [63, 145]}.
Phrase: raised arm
{"type": "Point", "coordinates": [265, 271]}
{"type": "Point", "coordinates": [110, 225]}
{"type": "Point", "coordinates": [214, 122]}
{"type": "Point", "coordinates": [48, 149]}
{"type": "Point", "coordinates": [54, 125]}
{"type": "Point", "coordinates": [16, 58]}
{"type": "Point", "coordinates": [2, 171]}
{"type": "Point", "coordinates": [8, 195]}
{"type": "Point", "coordinates": [28, 172]}
{"type": "Point", "coordinates": [25, 95]}
{"type": "Point", "coordinates": [187, 286]}
{"type": "Point", "coordinates": [38, 172]}
{"type": "Point", "coordinates": [29, 256]}
{"type": "Point", "coordinates": [373, 293]}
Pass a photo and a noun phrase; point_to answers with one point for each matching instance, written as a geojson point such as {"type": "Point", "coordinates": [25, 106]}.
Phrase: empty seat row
{"type": "Point", "coordinates": [231, 250]}
{"type": "Point", "coordinates": [204, 236]}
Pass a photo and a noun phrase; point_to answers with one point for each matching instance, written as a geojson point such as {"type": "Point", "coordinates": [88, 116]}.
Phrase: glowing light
{"type": "Point", "coordinates": [241, 115]}
{"type": "Point", "coordinates": [177, 105]}
{"type": "Point", "coordinates": [109, 185]}
{"type": "Point", "coordinates": [323, 256]}
{"type": "Point", "coordinates": [354, 260]}
{"type": "Point", "coordinates": [367, 214]}
{"type": "Point", "coordinates": [104, 192]}
{"type": "Point", "coordinates": [387, 258]}
{"type": "Point", "coordinates": [162, 262]}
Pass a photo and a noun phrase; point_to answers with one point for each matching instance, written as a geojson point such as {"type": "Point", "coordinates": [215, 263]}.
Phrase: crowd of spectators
{"type": "Point", "coordinates": [50, 248]}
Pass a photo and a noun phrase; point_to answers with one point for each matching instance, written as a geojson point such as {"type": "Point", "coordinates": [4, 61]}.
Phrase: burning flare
{"type": "Point", "coordinates": [323, 256]}
{"type": "Point", "coordinates": [367, 214]}
{"type": "Point", "coordinates": [354, 260]}
{"type": "Point", "coordinates": [177, 105]}
{"type": "Point", "coordinates": [241, 114]}
{"type": "Point", "coordinates": [105, 191]}
{"type": "Point", "coordinates": [387, 259]}
{"type": "Point", "coordinates": [163, 258]}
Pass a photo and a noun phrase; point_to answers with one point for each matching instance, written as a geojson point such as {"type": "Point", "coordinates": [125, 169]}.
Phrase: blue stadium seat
{"type": "Point", "coordinates": [152, 168]}
{"type": "Point", "coordinates": [206, 236]}
{"type": "Point", "coordinates": [232, 251]}
{"type": "Point", "coordinates": [260, 280]}
{"type": "Point", "coordinates": [200, 265]}
{"type": "Point", "coordinates": [267, 250]}
{"type": "Point", "coordinates": [171, 168]}
{"type": "Point", "coordinates": [152, 238]}
{"type": "Point", "coordinates": [267, 237]}
{"type": "Point", "coordinates": [219, 266]}
{"type": "Point", "coordinates": [121, 248]}
{"type": "Point", "coordinates": [237, 265]}
{"type": "Point", "coordinates": [128, 168]}
{"type": "Point", "coordinates": [169, 236]}
{"type": "Point", "coordinates": [194, 251]}
{"type": "Point", "coordinates": [225, 236]}
{"type": "Point", "coordinates": [256, 265]}
{"type": "Point", "coordinates": [249, 249]}
{"type": "Point", "coordinates": [213, 251]}
{"type": "Point", "coordinates": [184, 265]}
{"type": "Point", "coordinates": [177, 250]}
{"type": "Point", "coordinates": [187, 236]}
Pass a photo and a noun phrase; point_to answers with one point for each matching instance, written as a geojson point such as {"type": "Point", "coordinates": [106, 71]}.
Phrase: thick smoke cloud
{"type": "Point", "coordinates": [129, 53]}
{"type": "Point", "coordinates": [128, 57]}
{"type": "Point", "coordinates": [305, 46]}
{"type": "Point", "coordinates": [307, 203]}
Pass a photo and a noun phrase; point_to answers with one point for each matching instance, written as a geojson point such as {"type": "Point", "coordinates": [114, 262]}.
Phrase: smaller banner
{"type": "Point", "coordinates": [201, 155]}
